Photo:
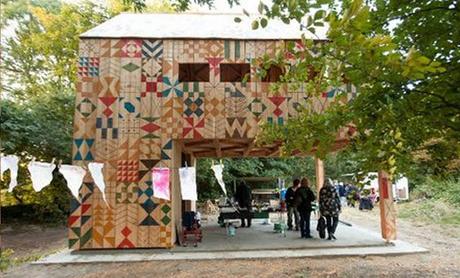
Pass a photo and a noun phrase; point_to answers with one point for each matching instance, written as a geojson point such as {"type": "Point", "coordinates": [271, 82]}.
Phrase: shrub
{"type": "Point", "coordinates": [445, 189]}
{"type": "Point", "coordinates": [6, 259]}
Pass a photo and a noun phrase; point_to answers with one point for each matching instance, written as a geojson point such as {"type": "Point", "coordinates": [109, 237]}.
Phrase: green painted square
{"type": "Point", "coordinates": [165, 209]}
{"type": "Point", "coordinates": [165, 220]}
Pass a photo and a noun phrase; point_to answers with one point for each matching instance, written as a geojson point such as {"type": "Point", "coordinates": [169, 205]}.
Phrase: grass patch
{"type": "Point", "coordinates": [8, 260]}
{"type": "Point", "coordinates": [435, 211]}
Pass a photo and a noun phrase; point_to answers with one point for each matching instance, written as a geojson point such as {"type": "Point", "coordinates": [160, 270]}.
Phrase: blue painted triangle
{"type": "Point", "coordinates": [74, 205]}
{"type": "Point", "coordinates": [149, 221]}
{"type": "Point", "coordinates": [164, 156]}
{"type": "Point", "coordinates": [89, 156]}
{"type": "Point", "coordinates": [236, 93]}
{"type": "Point", "coordinates": [78, 156]}
{"type": "Point", "coordinates": [168, 145]}
{"type": "Point", "coordinates": [90, 142]}
{"type": "Point", "coordinates": [78, 142]}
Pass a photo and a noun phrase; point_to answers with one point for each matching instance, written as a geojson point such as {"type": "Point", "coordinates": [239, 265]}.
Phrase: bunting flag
{"type": "Point", "coordinates": [41, 174]}
{"type": "Point", "coordinates": [187, 176]}
{"type": "Point", "coordinates": [74, 177]}
{"type": "Point", "coordinates": [95, 169]}
{"type": "Point", "coordinates": [10, 162]}
{"type": "Point", "coordinates": [160, 178]}
{"type": "Point", "coordinates": [218, 173]}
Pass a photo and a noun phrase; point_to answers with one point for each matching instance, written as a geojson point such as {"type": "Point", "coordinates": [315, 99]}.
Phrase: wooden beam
{"type": "Point", "coordinates": [213, 154]}
{"type": "Point", "coordinates": [205, 142]}
{"type": "Point", "coordinates": [233, 141]}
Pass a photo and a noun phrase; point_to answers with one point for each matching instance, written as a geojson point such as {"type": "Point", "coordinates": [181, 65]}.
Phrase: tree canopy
{"type": "Point", "coordinates": [402, 58]}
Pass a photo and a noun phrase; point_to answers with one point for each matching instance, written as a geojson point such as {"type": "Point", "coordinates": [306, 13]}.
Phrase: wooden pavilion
{"type": "Point", "coordinates": [157, 90]}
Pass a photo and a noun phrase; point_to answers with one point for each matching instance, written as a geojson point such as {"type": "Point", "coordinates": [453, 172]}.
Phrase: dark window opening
{"type": "Point", "coordinates": [194, 72]}
{"type": "Point", "coordinates": [235, 72]}
{"type": "Point", "coordinates": [274, 74]}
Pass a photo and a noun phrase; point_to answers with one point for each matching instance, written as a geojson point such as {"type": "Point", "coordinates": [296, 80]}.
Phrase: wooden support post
{"type": "Point", "coordinates": [248, 148]}
{"type": "Point", "coordinates": [387, 208]}
{"type": "Point", "coordinates": [193, 162]}
{"type": "Point", "coordinates": [319, 171]}
{"type": "Point", "coordinates": [218, 148]}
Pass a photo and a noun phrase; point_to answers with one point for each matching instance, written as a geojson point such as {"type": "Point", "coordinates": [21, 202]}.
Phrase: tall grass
{"type": "Point", "coordinates": [444, 190]}
{"type": "Point", "coordinates": [434, 201]}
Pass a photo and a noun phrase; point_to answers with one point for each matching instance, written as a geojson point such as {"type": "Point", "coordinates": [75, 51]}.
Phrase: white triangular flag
{"type": "Point", "coordinates": [74, 176]}
{"type": "Point", "coordinates": [187, 176]}
{"type": "Point", "coordinates": [95, 169]}
{"type": "Point", "coordinates": [41, 174]}
{"type": "Point", "coordinates": [10, 162]}
{"type": "Point", "coordinates": [218, 173]}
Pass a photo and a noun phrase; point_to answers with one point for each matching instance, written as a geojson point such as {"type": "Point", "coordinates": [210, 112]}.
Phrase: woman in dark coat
{"type": "Point", "coordinates": [303, 199]}
{"type": "Point", "coordinates": [329, 206]}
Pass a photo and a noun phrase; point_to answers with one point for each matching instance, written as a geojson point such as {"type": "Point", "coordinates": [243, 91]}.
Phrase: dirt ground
{"type": "Point", "coordinates": [32, 240]}
{"type": "Point", "coordinates": [443, 260]}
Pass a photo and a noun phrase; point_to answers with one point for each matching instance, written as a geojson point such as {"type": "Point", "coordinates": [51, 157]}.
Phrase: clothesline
{"type": "Point", "coordinates": [42, 174]}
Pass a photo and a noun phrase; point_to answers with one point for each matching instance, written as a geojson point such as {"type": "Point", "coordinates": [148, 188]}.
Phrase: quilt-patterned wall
{"type": "Point", "coordinates": [129, 108]}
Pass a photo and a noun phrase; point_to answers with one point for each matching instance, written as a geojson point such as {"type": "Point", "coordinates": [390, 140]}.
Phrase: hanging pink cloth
{"type": "Point", "coordinates": [160, 178]}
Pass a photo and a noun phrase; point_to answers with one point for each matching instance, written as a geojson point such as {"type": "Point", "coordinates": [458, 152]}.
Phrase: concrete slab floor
{"type": "Point", "coordinates": [263, 237]}
{"type": "Point", "coordinates": [259, 241]}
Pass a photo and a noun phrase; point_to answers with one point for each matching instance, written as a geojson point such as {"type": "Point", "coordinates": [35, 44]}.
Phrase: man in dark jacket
{"type": "Point", "coordinates": [243, 196]}
{"type": "Point", "coordinates": [291, 208]}
{"type": "Point", "coordinates": [304, 196]}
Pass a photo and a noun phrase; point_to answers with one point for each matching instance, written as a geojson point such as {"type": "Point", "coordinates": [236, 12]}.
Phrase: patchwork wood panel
{"type": "Point", "coordinates": [130, 106]}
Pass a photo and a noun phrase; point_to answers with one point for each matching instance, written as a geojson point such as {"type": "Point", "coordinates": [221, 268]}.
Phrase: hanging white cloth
{"type": "Point", "coordinates": [187, 177]}
{"type": "Point", "coordinates": [41, 174]}
{"type": "Point", "coordinates": [74, 176]}
{"type": "Point", "coordinates": [160, 180]}
{"type": "Point", "coordinates": [95, 169]}
{"type": "Point", "coordinates": [218, 173]}
{"type": "Point", "coordinates": [10, 162]}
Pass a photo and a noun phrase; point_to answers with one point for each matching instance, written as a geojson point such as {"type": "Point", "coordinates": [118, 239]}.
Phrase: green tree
{"type": "Point", "coordinates": [406, 95]}
{"type": "Point", "coordinates": [38, 83]}
{"type": "Point", "coordinates": [285, 168]}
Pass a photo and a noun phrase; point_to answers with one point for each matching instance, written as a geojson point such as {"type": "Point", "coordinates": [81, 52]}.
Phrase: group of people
{"type": "Point", "coordinates": [299, 199]}
{"type": "Point", "coordinates": [350, 195]}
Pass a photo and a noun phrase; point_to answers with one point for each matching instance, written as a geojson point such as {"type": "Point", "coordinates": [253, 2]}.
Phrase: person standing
{"type": "Point", "coordinates": [291, 208]}
{"type": "Point", "coordinates": [243, 196]}
{"type": "Point", "coordinates": [304, 196]}
{"type": "Point", "coordinates": [329, 207]}
{"type": "Point", "coordinates": [342, 194]}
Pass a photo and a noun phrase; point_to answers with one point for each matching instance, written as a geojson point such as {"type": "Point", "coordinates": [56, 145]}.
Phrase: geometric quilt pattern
{"type": "Point", "coordinates": [131, 108]}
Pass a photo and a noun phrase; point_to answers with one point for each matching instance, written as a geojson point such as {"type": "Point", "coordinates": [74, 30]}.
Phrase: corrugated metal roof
{"type": "Point", "coordinates": [195, 26]}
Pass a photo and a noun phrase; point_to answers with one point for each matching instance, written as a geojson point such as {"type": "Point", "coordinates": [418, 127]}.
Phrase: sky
{"type": "Point", "coordinates": [221, 6]}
